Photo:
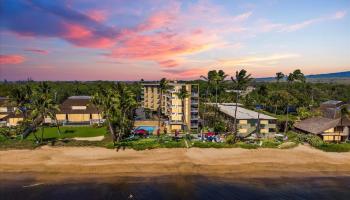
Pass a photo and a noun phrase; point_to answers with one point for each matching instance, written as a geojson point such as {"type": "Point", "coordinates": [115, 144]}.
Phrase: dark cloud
{"type": "Point", "coordinates": [54, 19]}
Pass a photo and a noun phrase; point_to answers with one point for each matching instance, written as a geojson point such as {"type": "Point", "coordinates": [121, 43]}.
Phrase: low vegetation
{"type": "Point", "coordinates": [70, 132]}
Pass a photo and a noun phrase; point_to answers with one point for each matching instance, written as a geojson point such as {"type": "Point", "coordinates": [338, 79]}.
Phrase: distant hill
{"type": "Point", "coordinates": [329, 77]}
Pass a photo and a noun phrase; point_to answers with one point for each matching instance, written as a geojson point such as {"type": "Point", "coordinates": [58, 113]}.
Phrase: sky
{"type": "Point", "coordinates": [150, 39]}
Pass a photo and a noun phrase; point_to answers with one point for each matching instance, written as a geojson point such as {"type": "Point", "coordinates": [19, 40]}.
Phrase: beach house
{"type": "Point", "coordinates": [78, 110]}
{"type": "Point", "coordinates": [8, 114]}
{"type": "Point", "coordinates": [331, 126]}
{"type": "Point", "coordinates": [248, 121]}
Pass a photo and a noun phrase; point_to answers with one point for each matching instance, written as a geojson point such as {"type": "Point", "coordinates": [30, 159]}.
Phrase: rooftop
{"type": "Point", "coordinates": [332, 102]}
{"type": "Point", "coordinates": [242, 113]}
{"type": "Point", "coordinates": [316, 125]}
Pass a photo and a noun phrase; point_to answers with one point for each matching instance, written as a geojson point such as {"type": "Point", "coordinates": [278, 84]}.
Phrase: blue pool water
{"type": "Point", "coordinates": [149, 129]}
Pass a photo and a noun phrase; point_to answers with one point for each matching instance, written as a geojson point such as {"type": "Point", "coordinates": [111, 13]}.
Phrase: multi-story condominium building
{"type": "Point", "coordinates": [248, 121]}
{"type": "Point", "coordinates": [173, 107]}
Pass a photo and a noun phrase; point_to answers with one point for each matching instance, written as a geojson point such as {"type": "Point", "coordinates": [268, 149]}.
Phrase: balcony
{"type": "Point", "coordinates": [194, 94]}
{"type": "Point", "coordinates": [194, 101]}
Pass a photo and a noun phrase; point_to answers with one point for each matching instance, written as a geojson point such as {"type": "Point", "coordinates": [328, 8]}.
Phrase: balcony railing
{"type": "Point", "coordinates": [194, 101]}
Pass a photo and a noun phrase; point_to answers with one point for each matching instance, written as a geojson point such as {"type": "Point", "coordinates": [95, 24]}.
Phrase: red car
{"type": "Point", "coordinates": [209, 134]}
{"type": "Point", "coordinates": [140, 132]}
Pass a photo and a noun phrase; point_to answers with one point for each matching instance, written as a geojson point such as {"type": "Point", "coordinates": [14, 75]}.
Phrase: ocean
{"type": "Point", "coordinates": [181, 187]}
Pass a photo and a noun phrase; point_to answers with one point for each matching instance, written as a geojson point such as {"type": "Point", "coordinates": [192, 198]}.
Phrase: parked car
{"type": "Point", "coordinates": [141, 132]}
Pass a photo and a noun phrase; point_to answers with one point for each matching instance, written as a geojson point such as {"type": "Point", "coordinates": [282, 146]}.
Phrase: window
{"type": "Point", "coordinates": [3, 109]}
{"type": "Point", "coordinates": [243, 130]}
{"type": "Point", "coordinates": [264, 122]}
{"type": "Point", "coordinates": [328, 138]}
{"type": "Point", "coordinates": [78, 107]}
{"type": "Point", "coordinates": [243, 121]}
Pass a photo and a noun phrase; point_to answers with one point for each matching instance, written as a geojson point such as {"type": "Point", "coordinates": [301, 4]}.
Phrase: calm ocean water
{"type": "Point", "coordinates": [182, 187]}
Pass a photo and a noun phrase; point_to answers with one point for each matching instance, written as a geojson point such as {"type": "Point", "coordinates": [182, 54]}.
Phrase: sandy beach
{"type": "Point", "coordinates": [59, 163]}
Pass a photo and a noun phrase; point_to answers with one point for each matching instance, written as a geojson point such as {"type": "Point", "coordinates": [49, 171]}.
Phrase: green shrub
{"type": "Point", "coordinates": [314, 140]}
{"type": "Point", "coordinates": [246, 146]}
{"type": "Point", "coordinates": [211, 145]}
{"type": "Point", "coordinates": [270, 143]}
{"type": "Point", "coordinates": [287, 145]}
{"type": "Point", "coordinates": [343, 147]}
{"type": "Point", "coordinates": [230, 139]}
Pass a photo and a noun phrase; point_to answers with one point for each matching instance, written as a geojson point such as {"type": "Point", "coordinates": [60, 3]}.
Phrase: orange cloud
{"type": "Point", "coordinates": [11, 59]}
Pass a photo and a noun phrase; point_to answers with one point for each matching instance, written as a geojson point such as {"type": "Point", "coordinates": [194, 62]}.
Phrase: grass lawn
{"type": "Point", "coordinates": [343, 147]}
{"type": "Point", "coordinates": [153, 142]}
{"type": "Point", "coordinates": [69, 132]}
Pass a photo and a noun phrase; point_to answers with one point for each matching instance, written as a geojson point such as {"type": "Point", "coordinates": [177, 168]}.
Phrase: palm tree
{"type": "Point", "coordinates": [97, 101]}
{"type": "Point", "coordinates": [127, 106]}
{"type": "Point", "coordinates": [290, 99]}
{"type": "Point", "coordinates": [183, 94]}
{"type": "Point", "coordinates": [208, 79]}
{"type": "Point", "coordinates": [110, 108]}
{"type": "Point", "coordinates": [240, 82]}
{"type": "Point", "coordinates": [344, 113]}
{"type": "Point", "coordinates": [20, 97]}
{"type": "Point", "coordinates": [163, 86]}
{"type": "Point", "coordinates": [43, 106]}
{"type": "Point", "coordinates": [279, 76]}
{"type": "Point", "coordinates": [218, 78]}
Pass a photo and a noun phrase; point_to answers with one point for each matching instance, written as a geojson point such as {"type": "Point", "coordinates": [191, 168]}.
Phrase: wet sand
{"type": "Point", "coordinates": [78, 163]}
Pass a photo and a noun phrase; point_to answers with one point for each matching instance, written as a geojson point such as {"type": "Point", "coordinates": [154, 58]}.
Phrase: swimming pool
{"type": "Point", "coordinates": [149, 129]}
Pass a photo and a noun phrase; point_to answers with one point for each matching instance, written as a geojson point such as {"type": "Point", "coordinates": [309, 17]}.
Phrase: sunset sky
{"type": "Point", "coordinates": [134, 39]}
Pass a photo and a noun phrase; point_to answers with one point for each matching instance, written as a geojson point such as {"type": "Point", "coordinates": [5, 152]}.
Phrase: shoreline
{"type": "Point", "coordinates": [65, 164]}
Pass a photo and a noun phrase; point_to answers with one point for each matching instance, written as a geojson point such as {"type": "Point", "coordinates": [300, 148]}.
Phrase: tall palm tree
{"type": "Point", "coordinates": [218, 79]}
{"type": "Point", "coordinates": [208, 80]}
{"type": "Point", "coordinates": [290, 100]}
{"type": "Point", "coordinates": [183, 94]}
{"type": "Point", "coordinates": [43, 106]}
{"type": "Point", "coordinates": [97, 101]}
{"type": "Point", "coordinates": [240, 82]}
{"type": "Point", "coordinates": [344, 113]}
{"type": "Point", "coordinates": [163, 86]}
{"type": "Point", "coordinates": [20, 97]}
{"type": "Point", "coordinates": [127, 106]}
{"type": "Point", "coordinates": [279, 76]}
{"type": "Point", "coordinates": [109, 104]}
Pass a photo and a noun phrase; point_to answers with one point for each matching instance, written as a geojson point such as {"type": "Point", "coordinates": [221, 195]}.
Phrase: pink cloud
{"type": "Point", "coordinates": [185, 73]}
{"type": "Point", "coordinates": [168, 63]}
{"type": "Point", "coordinates": [39, 51]}
{"type": "Point", "coordinates": [339, 15]}
{"type": "Point", "coordinates": [97, 15]}
{"type": "Point", "coordinates": [84, 37]}
{"type": "Point", "coordinates": [11, 59]}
